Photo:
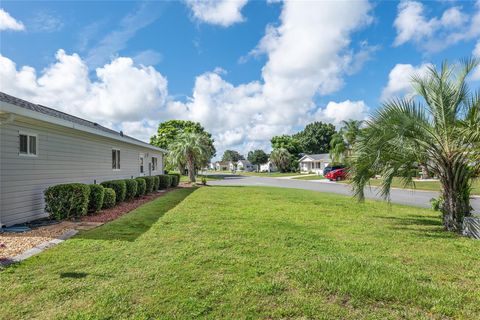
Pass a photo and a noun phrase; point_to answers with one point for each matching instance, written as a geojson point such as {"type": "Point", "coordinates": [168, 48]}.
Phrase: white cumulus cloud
{"type": "Point", "coordinates": [436, 33]}
{"type": "Point", "coordinates": [121, 94]}
{"type": "Point", "coordinates": [219, 12]}
{"type": "Point", "coordinates": [336, 112]}
{"type": "Point", "coordinates": [7, 22]}
{"type": "Point", "coordinates": [399, 80]}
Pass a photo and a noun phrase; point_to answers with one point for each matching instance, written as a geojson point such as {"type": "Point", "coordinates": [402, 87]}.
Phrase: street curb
{"type": "Point", "coordinates": [40, 248]}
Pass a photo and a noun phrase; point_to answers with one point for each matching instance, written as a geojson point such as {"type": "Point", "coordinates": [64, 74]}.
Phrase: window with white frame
{"type": "Point", "coordinates": [28, 144]}
{"type": "Point", "coordinates": [154, 163]}
{"type": "Point", "coordinates": [141, 163]}
{"type": "Point", "coordinates": [115, 159]}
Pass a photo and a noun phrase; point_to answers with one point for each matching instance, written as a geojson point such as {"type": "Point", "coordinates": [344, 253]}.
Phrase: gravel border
{"type": "Point", "coordinates": [39, 248]}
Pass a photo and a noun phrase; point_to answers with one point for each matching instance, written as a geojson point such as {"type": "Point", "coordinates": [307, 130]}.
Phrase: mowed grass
{"type": "Point", "coordinates": [268, 174]}
{"type": "Point", "coordinates": [310, 177]}
{"type": "Point", "coordinates": [422, 185]}
{"type": "Point", "coordinates": [249, 253]}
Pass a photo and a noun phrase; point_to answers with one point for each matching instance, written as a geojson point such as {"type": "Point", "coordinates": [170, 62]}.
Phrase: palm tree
{"type": "Point", "coordinates": [190, 148]}
{"type": "Point", "coordinates": [441, 124]}
{"type": "Point", "coordinates": [341, 145]}
{"type": "Point", "coordinates": [281, 158]}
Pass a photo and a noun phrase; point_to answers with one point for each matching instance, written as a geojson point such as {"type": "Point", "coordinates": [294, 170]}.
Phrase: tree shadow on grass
{"type": "Point", "coordinates": [420, 225]}
{"type": "Point", "coordinates": [132, 225]}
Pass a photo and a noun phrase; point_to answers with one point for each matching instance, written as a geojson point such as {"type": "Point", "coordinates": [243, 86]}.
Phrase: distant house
{"type": "Point", "coordinates": [314, 163]}
{"type": "Point", "coordinates": [222, 166]}
{"type": "Point", "coordinates": [268, 167]}
{"type": "Point", "coordinates": [41, 147]}
{"type": "Point", "coordinates": [245, 165]}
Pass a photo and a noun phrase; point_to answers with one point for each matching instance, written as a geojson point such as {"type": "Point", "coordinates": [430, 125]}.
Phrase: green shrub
{"type": "Point", "coordinates": [66, 201]}
{"type": "Point", "coordinates": [164, 181]}
{"type": "Point", "coordinates": [175, 179]}
{"type": "Point", "coordinates": [97, 193]}
{"type": "Point", "coordinates": [149, 181]}
{"type": "Point", "coordinates": [109, 198]}
{"type": "Point", "coordinates": [141, 187]}
{"type": "Point", "coordinates": [119, 187]}
{"type": "Point", "coordinates": [131, 191]}
{"type": "Point", "coordinates": [156, 182]}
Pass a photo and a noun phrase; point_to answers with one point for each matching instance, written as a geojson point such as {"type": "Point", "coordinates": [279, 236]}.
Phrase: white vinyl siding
{"type": "Point", "coordinates": [66, 155]}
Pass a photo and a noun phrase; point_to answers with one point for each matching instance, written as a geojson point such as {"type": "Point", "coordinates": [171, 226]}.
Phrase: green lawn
{"type": "Point", "coordinates": [310, 177]}
{"type": "Point", "coordinates": [423, 185]}
{"type": "Point", "coordinates": [209, 177]}
{"type": "Point", "coordinates": [249, 253]}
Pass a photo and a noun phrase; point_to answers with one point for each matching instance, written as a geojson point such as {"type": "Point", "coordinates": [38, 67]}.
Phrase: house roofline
{"type": "Point", "coordinates": [12, 108]}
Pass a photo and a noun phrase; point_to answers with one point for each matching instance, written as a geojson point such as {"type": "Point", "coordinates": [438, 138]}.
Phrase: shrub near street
{"type": "Point", "coordinates": [164, 180]}
{"type": "Point", "coordinates": [97, 193]}
{"type": "Point", "coordinates": [131, 189]}
{"type": "Point", "coordinates": [119, 187]}
{"type": "Point", "coordinates": [65, 201]}
{"type": "Point", "coordinates": [141, 187]}
{"type": "Point", "coordinates": [109, 198]}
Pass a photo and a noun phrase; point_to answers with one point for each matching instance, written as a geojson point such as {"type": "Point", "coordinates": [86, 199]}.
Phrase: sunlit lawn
{"type": "Point", "coordinates": [249, 253]}
{"type": "Point", "coordinates": [310, 177]}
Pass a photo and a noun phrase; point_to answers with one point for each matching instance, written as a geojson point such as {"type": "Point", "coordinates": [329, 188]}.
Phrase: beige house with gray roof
{"type": "Point", "coordinates": [41, 147]}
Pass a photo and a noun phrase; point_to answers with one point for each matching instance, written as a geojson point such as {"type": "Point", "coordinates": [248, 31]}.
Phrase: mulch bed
{"type": "Point", "coordinates": [125, 207]}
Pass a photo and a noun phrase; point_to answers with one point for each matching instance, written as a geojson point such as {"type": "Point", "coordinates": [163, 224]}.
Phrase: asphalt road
{"type": "Point", "coordinates": [418, 198]}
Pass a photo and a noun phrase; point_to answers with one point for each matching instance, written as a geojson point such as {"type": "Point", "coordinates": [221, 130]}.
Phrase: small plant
{"type": "Point", "coordinates": [156, 183]}
{"type": "Point", "coordinates": [131, 191]}
{"type": "Point", "coordinates": [437, 203]}
{"type": "Point", "coordinates": [119, 187]}
{"type": "Point", "coordinates": [109, 198]}
{"type": "Point", "coordinates": [141, 187]}
{"type": "Point", "coordinates": [66, 201]}
{"type": "Point", "coordinates": [204, 180]}
{"type": "Point", "coordinates": [97, 193]}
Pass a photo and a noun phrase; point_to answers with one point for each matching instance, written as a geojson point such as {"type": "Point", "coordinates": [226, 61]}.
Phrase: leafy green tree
{"type": "Point", "coordinates": [440, 125]}
{"type": "Point", "coordinates": [338, 148]}
{"type": "Point", "coordinates": [315, 138]}
{"type": "Point", "coordinates": [191, 148]}
{"type": "Point", "coordinates": [168, 132]}
{"type": "Point", "coordinates": [287, 142]}
{"type": "Point", "coordinates": [257, 157]}
{"type": "Point", "coordinates": [232, 155]}
{"type": "Point", "coordinates": [282, 159]}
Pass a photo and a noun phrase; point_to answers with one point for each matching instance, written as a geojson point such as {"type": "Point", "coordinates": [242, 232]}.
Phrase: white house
{"type": "Point", "coordinates": [245, 165]}
{"type": "Point", "coordinates": [268, 167]}
{"type": "Point", "coordinates": [222, 166]}
{"type": "Point", "coordinates": [314, 163]}
{"type": "Point", "coordinates": [41, 147]}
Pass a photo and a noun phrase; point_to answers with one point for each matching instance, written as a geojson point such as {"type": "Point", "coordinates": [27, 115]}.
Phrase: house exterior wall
{"type": "Point", "coordinates": [64, 155]}
{"type": "Point", "coordinates": [313, 166]}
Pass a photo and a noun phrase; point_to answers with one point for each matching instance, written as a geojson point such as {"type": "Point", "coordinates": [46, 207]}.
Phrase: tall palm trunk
{"type": "Point", "coordinates": [191, 168]}
{"type": "Point", "coordinates": [456, 196]}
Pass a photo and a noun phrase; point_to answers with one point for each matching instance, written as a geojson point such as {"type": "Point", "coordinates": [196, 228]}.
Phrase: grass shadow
{"type": "Point", "coordinates": [73, 275]}
{"type": "Point", "coordinates": [132, 225]}
{"type": "Point", "coordinates": [420, 225]}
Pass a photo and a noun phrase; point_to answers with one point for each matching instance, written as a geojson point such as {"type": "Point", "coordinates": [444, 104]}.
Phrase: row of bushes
{"type": "Point", "coordinates": [73, 200]}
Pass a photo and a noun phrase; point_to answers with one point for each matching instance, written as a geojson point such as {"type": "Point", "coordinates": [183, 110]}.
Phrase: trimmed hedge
{"type": "Point", "coordinates": [156, 183]}
{"type": "Point", "coordinates": [119, 187]}
{"type": "Point", "coordinates": [164, 181]}
{"type": "Point", "coordinates": [149, 181]}
{"type": "Point", "coordinates": [97, 193]}
{"type": "Point", "coordinates": [131, 191]}
{"type": "Point", "coordinates": [175, 179]}
{"type": "Point", "coordinates": [141, 187]}
{"type": "Point", "coordinates": [109, 198]}
{"type": "Point", "coordinates": [65, 201]}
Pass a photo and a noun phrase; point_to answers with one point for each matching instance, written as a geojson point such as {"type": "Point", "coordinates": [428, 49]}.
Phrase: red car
{"type": "Point", "coordinates": [337, 175]}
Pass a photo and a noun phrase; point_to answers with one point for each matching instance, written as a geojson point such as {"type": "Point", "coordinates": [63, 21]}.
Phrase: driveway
{"type": "Point", "coordinates": [418, 198]}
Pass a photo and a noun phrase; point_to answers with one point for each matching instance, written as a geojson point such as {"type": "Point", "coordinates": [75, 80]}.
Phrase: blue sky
{"type": "Point", "coordinates": [246, 70]}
